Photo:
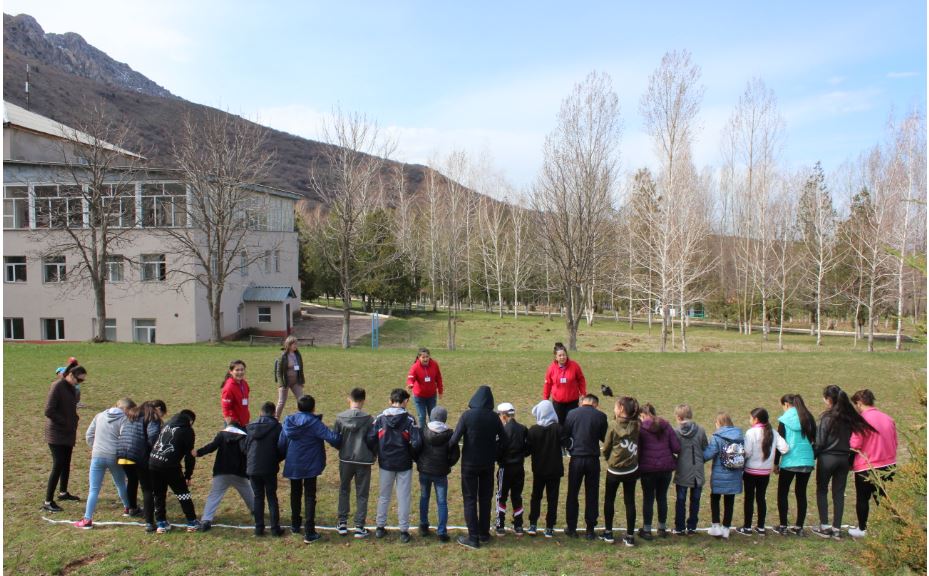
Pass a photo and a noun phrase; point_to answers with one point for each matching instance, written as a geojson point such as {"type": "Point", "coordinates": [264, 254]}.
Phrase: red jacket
{"type": "Point", "coordinates": [564, 384]}
{"type": "Point", "coordinates": [235, 400]}
{"type": "Point", "coordinates": [425, 380]}
{"type": "Point", "coordinates": [875, 450]}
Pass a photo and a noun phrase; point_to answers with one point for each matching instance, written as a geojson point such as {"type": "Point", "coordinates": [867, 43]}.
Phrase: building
{"type": "Point", "coordinates": [150, 294]}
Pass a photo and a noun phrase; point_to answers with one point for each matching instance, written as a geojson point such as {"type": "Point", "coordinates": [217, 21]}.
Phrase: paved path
{"type": "Point", "coordinates": [324, 325]}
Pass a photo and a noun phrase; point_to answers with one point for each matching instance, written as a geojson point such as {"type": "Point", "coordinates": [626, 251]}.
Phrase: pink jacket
{"type": "Point", "coordinates": [875, 450]}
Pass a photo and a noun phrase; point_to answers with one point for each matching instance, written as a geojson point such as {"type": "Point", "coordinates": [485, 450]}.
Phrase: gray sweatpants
{"type": "Point", "coordinates": [362, 475]}
{"type": "Point", "coordinates": [218, 489]}
{"type": "Point", "coordinates": [404, 482]}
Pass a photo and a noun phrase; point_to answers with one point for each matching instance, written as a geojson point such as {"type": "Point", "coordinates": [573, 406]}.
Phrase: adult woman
{"type": "Point", "coordinates": [235, 394]}
{"type": "Point", "coordinates": [658, 447]}
{"type": "Point", "coordinates": [798, 427]}
{"type": "Point", "coordinates": [832, 449]}
{"type": "Point", "coordinates": [875, 455]}
{"type": "Point", "coordinates": [424, 381]}
{"type": "Point", "coordinates": [60, 432]}
{"type": "Point", "coordinates": [564, 383]}
{"type": "Point", "coordinates": [289, 375]}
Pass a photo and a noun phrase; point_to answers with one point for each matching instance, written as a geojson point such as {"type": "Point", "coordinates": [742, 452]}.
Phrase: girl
{"type": "Point", "coordinates": [833, 451]}
{"type": "Point", "coordinates": [136, 438]}
{"type": "Point", "coordinates": [544, 438]}
{"type": "Point", "coordinates": [290, 374]}
{"type": "Point", "coordinates": [60, 432]}
{"type": "Point", "coordinates": [658, 447]}
{"type": "Point", "coordinates": [725, 482]}
{"type": "Point", "coordinates": [235, 394]}
{"type": "Point", "coordinates": [620, 450]}
{"type": "Point", "coordinates": [798, 428]}
{"type": "Point", "coordinates": [760, 444]}
{"type": "Point", "coordinates": [875, 458]}
{"type": "Point", "coordinates": [564, 383]}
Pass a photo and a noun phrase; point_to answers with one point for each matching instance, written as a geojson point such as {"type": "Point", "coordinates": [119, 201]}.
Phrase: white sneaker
{"type": "Point", "coordinates": [856, 533]}
{"type": "Point", "coordinates": [725, 533]}
{"type": "Point", "coordinates": [715, 530]}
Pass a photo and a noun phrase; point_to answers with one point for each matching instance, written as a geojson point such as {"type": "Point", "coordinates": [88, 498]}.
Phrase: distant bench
{"type": "Point", "coordinates": [252, 340]}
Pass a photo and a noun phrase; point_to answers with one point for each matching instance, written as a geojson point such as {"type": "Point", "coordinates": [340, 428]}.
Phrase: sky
{"type": "Point", "coordinates": [489, 77]}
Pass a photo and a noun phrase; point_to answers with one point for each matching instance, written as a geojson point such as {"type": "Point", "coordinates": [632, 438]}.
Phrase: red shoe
{"type": "Point", "coordinates": [84, 523]}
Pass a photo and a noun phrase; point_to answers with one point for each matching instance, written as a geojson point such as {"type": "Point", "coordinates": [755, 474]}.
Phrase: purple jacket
{"type": "Point", "coordinates": [657, 446]}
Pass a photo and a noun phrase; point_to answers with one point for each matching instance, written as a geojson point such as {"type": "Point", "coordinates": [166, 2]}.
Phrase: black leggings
{"type": "Point", "coordinates": [655, 488]}
{"type": "Point", "coordinates": [613, 482]}
{"type": "Point", "coordinates": [138, 476]}
{"type": "Point", "coordinates": [831, 467]}
{"type": "Point", "coordinates": [865, 490]}
{"type": "Point", "coordinates": [562, 409]}
{"type": "Point", "coordinates": [550, 486]}
{"type": "Point", "coordinates": [61, 470]}
{"type": "Point", "coordinates": [171, 478]}
{"type": "Point", "coordinates": [728, 505]}
{"type": "Point", "coordinates": [783, 492]}
{"type": "Point", "coordinates": [755, 489]}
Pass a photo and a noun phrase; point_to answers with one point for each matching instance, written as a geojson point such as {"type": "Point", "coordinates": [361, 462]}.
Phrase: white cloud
{"type": "Point", "coordinates": [832, 103]}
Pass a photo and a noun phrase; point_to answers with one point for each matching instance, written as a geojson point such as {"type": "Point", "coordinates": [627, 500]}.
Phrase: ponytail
{"type": "Point", "coordinates": [761, 415]}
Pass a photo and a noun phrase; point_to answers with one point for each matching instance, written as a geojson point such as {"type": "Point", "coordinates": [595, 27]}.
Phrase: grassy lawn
{"type": "Point", "coordinates": [511, 356]}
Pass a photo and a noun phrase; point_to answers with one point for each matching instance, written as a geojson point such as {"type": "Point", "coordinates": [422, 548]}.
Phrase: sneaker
{"type": "Point", "coordinates": [796, 531]}
{"type": "Point", "coordinates": [277, 532]}
{"type": "Point", "coordinates": [162, 527]}
{"type": "Point", "coordinates": [149, 528]}
{"type": "Point", "coordinates": [444, 538]}
{"type": "Point", "coordinates": [424, 530]}
{"type": "Point", "coordinates": [836, 533]}
{"type": "Point", "coordinates": [645, 534]}
{"type": "Point", "coordinates": [296, 530]}
{"type": "Point", "coordinates": [744, 531]}
{"type": "Point", "coordinates": [405, 538]}
{"type": "Point", "coordinates": [361, 532]}
{"type": "Point", "coordinates": [532, 531]}
{"type": "Point", "coordinates": [629, 540]}
{"type": "Point", "coordinates": [311, 537]}
{"type": "Point", "coordinates": [677, 532]}
{"type": "Point", "coordinates": [549, 533]}
{"type": "Point", "coordinates": [195, 526]}
{"type": "Point", "coordinates": [468, 543]}
{"type": "Point", "coordinates": [715, 531]}
{"type": "Point", "coordinates": [500, 531]}
{"type": "Point", "coordinates": [607, 536]}
{"type": "Point", "coordinates": [761, 530]}
{"type": "Point", "coordinates": [590, 535]}
{"type": "Point", "coordinates": [663, 532]}
{"type": "Point", "coordinates": [380, 532]}
{"type": "Point", "coordinates": [691, 531]}
{"type": "Point", "coordinates": [856, 533]}
{"type": "Point", "coordinates": [484, 538]}
{"type": "Point", "coordinates": [342, 529]}
{"type": "Point", "coordinates": [206, 525]}
{"type": "Point", "coordinates": [51, 507]}
{"type": "Point", "coordinates": [132, 512]}
{"type": "Point", "coordinates": [725, 532]}
{"type": "Point", "coordinates": [571, 533]}
{"type": "Point", "coordinates": [822, 531]}
{"type": "Point", "coordinates": [259, 531]}
{"type": "Point", "coordinates": [84, 523]}
{"type": "Point", "coordinates": [68, 496]}
{"type": "Point", "coordinates": [780, 530]}
{"type": "Point", "coordinates": [518, 530]}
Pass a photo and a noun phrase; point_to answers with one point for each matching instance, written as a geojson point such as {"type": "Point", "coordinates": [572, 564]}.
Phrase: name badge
{"type": "Point", "coordinates": [564, 380]}
{"type": "Point", "coordinates": [296, 368]}
{"type": "Point", "coordinates": [428, 379]}
{"type": "Point", "coordinates": [244, 401]}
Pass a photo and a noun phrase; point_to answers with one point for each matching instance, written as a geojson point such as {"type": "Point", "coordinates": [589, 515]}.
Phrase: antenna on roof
{"type": "Point", "coordinates": [27, 86]}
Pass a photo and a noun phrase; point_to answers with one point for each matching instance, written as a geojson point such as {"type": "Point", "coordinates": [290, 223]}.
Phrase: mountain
{"type": "Point", "coordinates": [67, 75]}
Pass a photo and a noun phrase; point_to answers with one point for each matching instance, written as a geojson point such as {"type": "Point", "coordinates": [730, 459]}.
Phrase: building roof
{"type": "Point", "coordinates": [14, 115]}
{"type": "Point", "coordinates": [268, 294]}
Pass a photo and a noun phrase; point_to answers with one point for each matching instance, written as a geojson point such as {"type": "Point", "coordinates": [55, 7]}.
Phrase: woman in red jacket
{"type": "Point", "coordinates": [425, 383]}
{"type": "Point", "coordinates": [235, 395]}
{"type": "Point", "coordinates": [564, 383]}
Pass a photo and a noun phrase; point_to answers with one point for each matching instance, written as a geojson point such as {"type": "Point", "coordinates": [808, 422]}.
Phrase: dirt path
{"type": "Point", "coordinates": [324, 325]}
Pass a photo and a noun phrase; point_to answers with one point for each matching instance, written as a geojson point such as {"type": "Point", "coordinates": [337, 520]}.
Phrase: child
{"type": "Point", "coordinates": [355, 460]}
{"type": "Point", "coordinates": [229, 471]}
{"type": "Point", "coordinates": [175, 442]}
{"type": "Point", "coordinates": [234, 395]}
{"type": "Point", "coordinates": [760, 442]}
{"type": "Point", "coordinates": [262, 464]}
{"type": "Point", "coordinates": [658, 447]}
{"type": "Point", "coordinates": [726, 450]}
{"type": "Point", "coordinates": [875, 456]}
{"type": "Point", "coordinates": [136, 438]}
{"type": "Point", "coordinates": [584, 429]}
{"type": "Point", "coordinates": [301, 442]}
{"type": "Point", "coordinates": [621, 452]}
{"type": "Point", "coordinates": [103, 438]}
{"type": "Point", "coordinates": [289, 374]}
{"type": "Point", "coordinates": [396, 440]}
{"type": "Point", "coordinates": [510, 475]}
{"type": "Point", "coordinates": [689, 473]}
{"type": "Point", "coordinates": [434, 463]}
{"type": "Point", "coordinates": [544, 439]}
{"type": "Point", "coordinates": [798, 427]}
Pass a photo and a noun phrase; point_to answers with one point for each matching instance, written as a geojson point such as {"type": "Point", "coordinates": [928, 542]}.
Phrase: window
{"type": "Point", "coordinates": [53, 269]}
{"type": "Point", "coordinates": [13, 329]}
{"type": "Point", "coordinates": [59, 207]}
{"type": "Point", "coordinates": [53, 329]}
{"type": "Point", "coordinates": [15, 207]}
{"type": "Point", "coordinates": [277, 260]}
{"type": "Point", "coordinates": [109, 328]}
{"type": "Point", "coordinates": [154, 268]}
{"type": "Point", "coordinates": [264, 314]}
{"type": "Point", "coordinates": [243, 263]}
{"type": "Point", "coordinates": [143, 330]}
{"type": "Point", "coordinates": [164, 205]}
{"type": "Point", "coordinates": [14, 268]}
{"type": "Point", "coordinates": [266, 260]}
{"type": "Point", "coordinates": [119, 205]}
{"type": "Point", "coordinates": [114, 268]}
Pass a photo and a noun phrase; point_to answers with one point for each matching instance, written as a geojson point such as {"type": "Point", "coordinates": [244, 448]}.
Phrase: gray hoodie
{"type": "Point", "coordinates": [103, 433]}
{"type": "Point", "coordinates": [353, 425]}
{"type": "Point", "coordinates": [693, 441]}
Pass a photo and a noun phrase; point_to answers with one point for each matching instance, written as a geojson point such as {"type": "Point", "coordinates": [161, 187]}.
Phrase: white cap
{"type": "Point", "coordinates": [506, 408]}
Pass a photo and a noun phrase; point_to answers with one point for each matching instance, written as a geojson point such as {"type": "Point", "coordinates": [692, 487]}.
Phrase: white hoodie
{"type": "Point", "coordinates": [755, 463]}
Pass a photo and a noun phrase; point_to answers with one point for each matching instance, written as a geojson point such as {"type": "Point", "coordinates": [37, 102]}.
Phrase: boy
{"type": "Point", "coordinates": [396, 439]}
{"type": "Point", "coordinates": [355, 460]}
{"type": "Point", "coordinates": [263, 462]}
{"type": "Point", "coordinates": [301, 442]}
{"type": "Point", "coordinates": [175, 442]}
{"type": "Point", "coordinates": [544, 439]}
{"type": "Point", "coordinates": [434, 463]}
{"type": "Point", "coordinates": [689, 474]}
{"type": "Point", "coordinates": [510, 475]}
{"type": "Point", "coordinates": [584, 428]}
{"type": "Point", "coordinates": [229, 471]}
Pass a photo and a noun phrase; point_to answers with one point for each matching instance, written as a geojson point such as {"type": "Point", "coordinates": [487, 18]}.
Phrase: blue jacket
{"type": "Point", "coordinates": [723, 480]}
{"type": "Point", "coordinates": [301, 441]}
{"type": "Point", "coordinates": [801, 449]}
{"type": "Point", "coordinates": [395, 439]}
{"type": "Point", "coordinates": [136, 439]}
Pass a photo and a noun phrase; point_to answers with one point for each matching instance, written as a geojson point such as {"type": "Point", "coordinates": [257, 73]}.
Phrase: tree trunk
{"type": "Point", "coordinates": [780, 330]}
{"type": "Point", "coordinates": [346, 318]}
{"type": "Point", "coordinates": [100, 309]}
{"type": "Point", "coordinates": [819, 318]}
{"type": "Point", "coordinates": [450, 321]}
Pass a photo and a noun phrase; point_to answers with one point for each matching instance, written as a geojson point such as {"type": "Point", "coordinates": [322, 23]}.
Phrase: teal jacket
{"type": "Point", "coordinates": [801, 449]}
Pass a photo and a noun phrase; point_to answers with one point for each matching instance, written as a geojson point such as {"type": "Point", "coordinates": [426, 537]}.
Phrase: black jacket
{"type": "Point", "coordinates": [261, 453]}
{"type": "Point", "coordinates": [436, 457]}
{"type": "Point", "coordinates": [545, 450]}
{"type": "Point", "coordinates": [515, 445]}
{"type": "Point", "coordinates": [832, 437]}
{"type": "Point", "coordinates": [395, 439]}
{"type": "Point", "coordinates": [280, 370]}
{"type": "Point", "coordinates": [584, 428]}
{"type": "Point", "coordinates": [174, 444]}
{"type": "Point", "coordinates": [482, 432]}
{"type": "Point", "coordinates": [229, 446]}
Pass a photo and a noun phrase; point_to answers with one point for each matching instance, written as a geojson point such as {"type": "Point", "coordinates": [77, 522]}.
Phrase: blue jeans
{"type": "Point", "coordinates": [424, 408]}
{"type": "Point", "coordinates": [681, 505]}
{"type": "Point", "coordinates": [426, 482]}
{"type": "Point", "coordinates": [98, 466]}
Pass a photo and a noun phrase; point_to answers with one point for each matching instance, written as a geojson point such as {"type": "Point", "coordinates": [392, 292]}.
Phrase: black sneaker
{"type": "Point", "coordinates": [500, 531]}
{"type": "Point", "coordinates": [796, 531]}
{"type": "Point", "coordinates": [131, 512]}
{"type": "Point", "coordinates": [518, 530]}
{"type": "Point", "coordinates": [405, 538]}
{"type": "Point", "coordinates": [51, 507]}
{"type": "Point", "coordinates": [549, 533]}
{"type": "Point", "coordinates": [629, 540]}
{"type": "Point", "coordinates": [571, 533]}
{"type": "Point", "coordinates": [206, 525]}
{"type": "Point", "coordinates": [342, 529]}
{"type": "Point", "coordinates": [150, 528]}
{"type": "Point", "coordinates": [590, 535]}
{"type": "Point", "coordinates": [259, 530]}
{"type": "Point", "coordinates": [468, 543]}
{"type": "Point", "coordinates": [311, 537]}
{"type": "Point", "coordinates": [780, 530]}
{"type": "Point", "coordinates": [361, 532]}
{"type": "Point", "coordinates": [663, 532]}
{"type": "Point", "coordinates": [424, 530]}
{"type": "Point", "coordinates": [380, 532]}
{"type": "Point", "coordinates": [744, 531]}
{"type": "Point", "coordinates": [68, 496]}
{"type": "Point", "coordinates": [837, 534]}
{"type": "Point", "coordinates": [484, 538]}
{"type": "Point", "coordinates": [761, 530]}
{"type": "Point", "coordinates": [532, 531]}
{"type": "Point", "coordinates": [444, 538]}
{"type": "Point", "coordinates": [296, 530]}
{"type": "Point", "coordinates": [646, 534]}
{"type": "Point", "coordinates": [691, 531]}
{"type": "Point", "coordinates": [607, 536]}
{"type": "Point", "coordinates": [822, 532]}
{"type": "Point", "coordinates": [277, 532]}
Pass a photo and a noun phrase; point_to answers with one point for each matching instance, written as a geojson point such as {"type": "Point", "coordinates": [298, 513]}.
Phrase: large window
{"type": "Point", "coordinates": [266, 261]}
{"type": "Point", "coordinates": [15, 207]}
{"type": "Point", "coordinates": [154, 268]}
{"type": "Point", "coordinates": [264, 314]}
{"type": "Point", "coordinates": [13, 329]}
{"type": "Point", "coordinates": [119, 205]}
{"type": "Point", "coordinates": [109, 328]}
{"type": "Point", "coordinates": [143, 330]}
{"type": "Point", "coordinates": [59, 206]}
{"type": "Point", "coordinates": [53, 329]}
{"type": "Point", "coordinates": [164, 205]}
{"type": "Point", "coordinates": [114, 268]}
{"type": "Point", "coordinates": [53, 269]}
{"type": "Point", "coordinates": [14, 268]}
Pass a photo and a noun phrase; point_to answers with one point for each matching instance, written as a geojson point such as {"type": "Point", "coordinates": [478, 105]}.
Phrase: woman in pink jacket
{"type": "Point", "coordinates": [875, 453]}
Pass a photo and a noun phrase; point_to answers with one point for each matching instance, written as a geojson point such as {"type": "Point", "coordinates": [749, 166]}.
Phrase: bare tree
{"type": "Point", "coordinates": [493, 241]}
{"type": "Point", "coordinates": [573, 197]}
{"type": "Point", "coordinates": [451, 248]}
{"type": "Point", "coordinates": [520, 248]}
{"type": "Point", "coordinates": [784, 245]}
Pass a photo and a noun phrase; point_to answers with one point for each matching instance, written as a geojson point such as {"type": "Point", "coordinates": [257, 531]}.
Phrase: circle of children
{"type": "Point", "coordinates": [139, 448]}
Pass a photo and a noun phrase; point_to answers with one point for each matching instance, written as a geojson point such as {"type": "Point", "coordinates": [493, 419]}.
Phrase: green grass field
{"type": "Point", "coordinates": [509, 355]}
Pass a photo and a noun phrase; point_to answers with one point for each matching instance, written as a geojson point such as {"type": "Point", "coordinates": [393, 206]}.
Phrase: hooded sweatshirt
{"type": "Point", "coordinates": [354, 425]}
{"type": "Point", "coordinates": [482, 432]}
{"type": "Point", "coordinates": [800, 454]}
{"type": "Point", "coordinates": [723, 480]}
{"type": "Point", "coordinates": [301, 441]}
{"type": "Point", "coordinates": [231, 455]}
{"type": "Point", "coordinates": [235, 400]}
{"type": "Point", "coordinates": [436, 457]}
{"type": "Point", "coordinates": [658, 444]}
{"type": "Point", "coordinates": [514, 447]}
{"type": "Point", "coordinates": [103, 433]}
{"type": "Point", "coordinates": [621, 446]}
{"type": "Point", "coordinates": [174, 444]}
{"type": "Point", "coordinates": [544, 438]}
{"type": "Point", "coordinates": [755, 462]}
{"type": "Point", "coordinates": [261, 453]}
{"type": "Point", "coordinates": [689, 471]}
{"type": "Point", "coordinates": [395, 438]}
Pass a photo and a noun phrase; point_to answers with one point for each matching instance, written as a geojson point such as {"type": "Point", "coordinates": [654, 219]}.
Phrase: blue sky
{"type": "Point", "coordinates": [490, 76]}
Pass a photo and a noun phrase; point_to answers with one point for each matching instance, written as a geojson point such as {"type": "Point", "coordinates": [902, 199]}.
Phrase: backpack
{"type": "Point", "coordinates": [733, 455]}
